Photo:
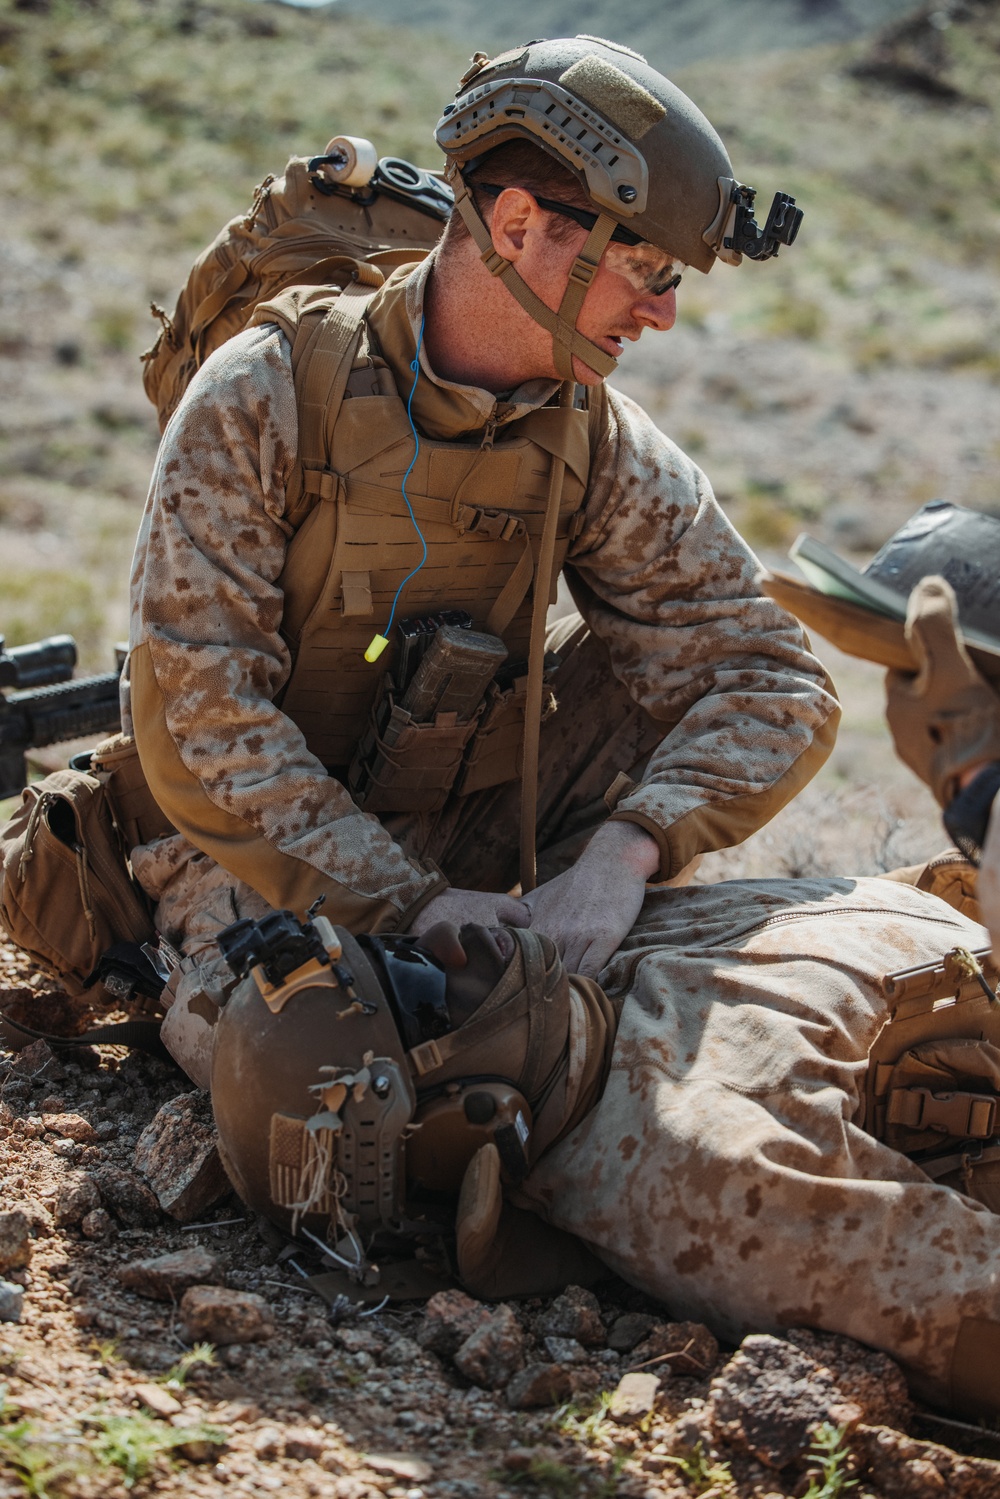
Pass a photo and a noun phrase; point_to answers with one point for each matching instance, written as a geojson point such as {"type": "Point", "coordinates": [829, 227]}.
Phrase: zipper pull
{"type": "Point", "coordinates": [489, 432]}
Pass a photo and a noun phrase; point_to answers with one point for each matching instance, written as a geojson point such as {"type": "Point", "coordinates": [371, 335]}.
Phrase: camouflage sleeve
{"type": "Point", "coordinates": [662, 577]}
{"type": "Point", "coordinates": [207, 659]}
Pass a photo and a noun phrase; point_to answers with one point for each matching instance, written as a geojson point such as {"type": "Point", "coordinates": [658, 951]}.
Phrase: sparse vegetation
{"type": "Point", "coordinates": [702, 1473]}
{"type": "Point", "coordinates": [132, 1443]}
{"type": "Point", "coordinates": [200, 1356]}
{"type": "Point", "coordinates": [832, 1454]}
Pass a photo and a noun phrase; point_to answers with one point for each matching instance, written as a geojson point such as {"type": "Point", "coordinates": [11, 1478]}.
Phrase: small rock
{"type": "Point", "coordinates": [565, 1351]}
{"type": "Point", "coordinates": [201, 1449]}
{"type": "Point", "coordinates": [770, 1398]}
{"type": "Point", "coordinates": [178, 1155]}
{"type": "Point", "coordinates": [128, 1197]}
{"type": "Point", "coordinates": [303, 1443]}
{"type": "Point", "coordinates": [449, 1318]}
{"type": "Point", "coordinates": [158, 1400]}
{"type": "Point", "coordinates": [11, 1301]}
{"type": "Point", "coordinates": [68, 1150]}
{"type": "Point", "coordinates": [689, 1346]}
{"type": "Point", "coordinates": [630, 1329]}
{"type": "Point", "coordinates": [399, 1465]}
{"type": "Point", "coordinates": [97, 1225]}
{"type": "Point", "coordinates": [902, 1468]}
{"type": "Point", "coordinates": [77, 1197]}
{"type": "Point", "coordinates": [494, 1352]}
{"type": "Point", "coordinates": [237, 1412]}
{"type": "Point", "coordinates": [268, 1444]}
{"type": "Point", "coordinates": [215, 1315]}
{"type": "Point", "coordinates": [53, 1104]}
{"type": "Point", "coordinates": [868, 1378]}
{"type": "Point", "coordinates": [358, 1340]}
{"type": "Point", "coordinates": [168, 1276]}
{"type": "Point", "coordinates": [40, 1220]}
{"type": "Point", "coordinates": [539, 1385]}
{"type": "Point", "coordinates": [403, 1353]}
{"type": "Point", "coordinates": [69, 1127]}
{"type": "Point", "coordinates": [519, 1459]}
{"type": "Point", "coordinates": [634, 1398]}
{"type": "Point", "coordinates": [39, 1060]}
{"type": "Point", "coordinates": [574, 1314]}
{"type": "Point", "coordinates": [15, 1240]}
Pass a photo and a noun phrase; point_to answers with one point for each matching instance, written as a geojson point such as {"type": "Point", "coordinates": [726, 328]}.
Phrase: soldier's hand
{"type": "Point", "coordinates": [482, 907]}
{"type": "Point", "coordinates": [945, 719]}
{"type": "Point", "coordinates": [591, 908]}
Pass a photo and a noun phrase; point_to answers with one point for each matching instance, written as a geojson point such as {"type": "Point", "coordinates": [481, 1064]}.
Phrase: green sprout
{"type": "Point", "coordinates": [832, 1454]}
{"type": "Point", "coordinates": [700, 1470]}
{"type": "Point", "coordinates": [201, 1355]}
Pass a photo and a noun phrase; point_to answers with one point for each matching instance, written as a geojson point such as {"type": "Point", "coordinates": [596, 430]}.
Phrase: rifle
{"type": "Point", "coordinates": [46, 705]}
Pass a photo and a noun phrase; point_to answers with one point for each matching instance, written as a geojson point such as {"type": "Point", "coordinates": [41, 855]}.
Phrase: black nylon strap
{"type": "Point", "coordinates": [139, 1035]}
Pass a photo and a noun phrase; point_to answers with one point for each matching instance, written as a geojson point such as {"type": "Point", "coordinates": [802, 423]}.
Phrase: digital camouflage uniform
{"type": "Point", "coordinates": [688, 679]}
{"type": "Point", "coordinates": [723, 1170]}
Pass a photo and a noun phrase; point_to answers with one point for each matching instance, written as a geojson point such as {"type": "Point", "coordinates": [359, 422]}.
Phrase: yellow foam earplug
{"type": "Point", "coordinates": [378, 645]}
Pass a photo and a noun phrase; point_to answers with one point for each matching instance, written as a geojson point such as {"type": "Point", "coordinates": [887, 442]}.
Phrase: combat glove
{"type": "Point", "coordinates": [945, 719]}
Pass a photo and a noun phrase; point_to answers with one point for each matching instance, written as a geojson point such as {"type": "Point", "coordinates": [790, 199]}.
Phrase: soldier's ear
{"type": "Point", "coordinates": [514, 213]}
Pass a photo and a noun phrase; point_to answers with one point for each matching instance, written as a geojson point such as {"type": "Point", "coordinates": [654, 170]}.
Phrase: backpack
{"type": "Point", "coordinates": [303, 229]}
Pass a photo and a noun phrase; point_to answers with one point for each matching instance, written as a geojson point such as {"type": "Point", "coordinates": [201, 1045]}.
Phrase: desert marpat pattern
{"type": "Point", "coordinates": [723, 1171]}
{"type": "Point", "coordinates": [657, 570]}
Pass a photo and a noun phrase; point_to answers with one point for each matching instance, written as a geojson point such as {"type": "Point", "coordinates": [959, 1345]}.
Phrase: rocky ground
{"type": "Point", "coordinates": [155, 1338]}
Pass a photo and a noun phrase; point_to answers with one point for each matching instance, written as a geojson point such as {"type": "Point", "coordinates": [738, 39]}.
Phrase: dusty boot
{"type": "Point", "coordinates": [949, 876]}
{"type": "Point", "coordinates": [507, 1251]}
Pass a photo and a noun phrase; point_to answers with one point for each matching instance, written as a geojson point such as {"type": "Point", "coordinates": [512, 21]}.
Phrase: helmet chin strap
{"type": "Point", "coordinates": [566, 340]}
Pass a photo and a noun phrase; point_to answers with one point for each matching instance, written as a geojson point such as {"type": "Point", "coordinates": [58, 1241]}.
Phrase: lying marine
{"type": "Point", "coordinates": [706, 1122]}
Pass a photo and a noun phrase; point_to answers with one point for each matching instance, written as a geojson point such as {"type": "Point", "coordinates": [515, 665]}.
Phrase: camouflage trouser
{"type": "Point", "coordinates": [596, 733]}
{"type": "Point", "coordinates": [722, 1170]}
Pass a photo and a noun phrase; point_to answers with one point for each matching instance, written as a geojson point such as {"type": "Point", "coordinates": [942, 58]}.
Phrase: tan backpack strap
{"type": "Point", "coordinates": [322, 363]}
{"type": "Point", "coordinates": [324, 328]}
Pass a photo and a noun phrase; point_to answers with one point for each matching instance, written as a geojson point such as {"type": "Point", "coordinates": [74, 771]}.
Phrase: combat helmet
{"type": "Point", "coordinates": [333, 1048]}
{"type": "Point", "coordinates": [651, 163]}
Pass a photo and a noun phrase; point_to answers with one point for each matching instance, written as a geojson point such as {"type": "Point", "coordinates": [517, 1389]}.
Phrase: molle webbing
{"type": "Point", "coordinates": [480, 507]}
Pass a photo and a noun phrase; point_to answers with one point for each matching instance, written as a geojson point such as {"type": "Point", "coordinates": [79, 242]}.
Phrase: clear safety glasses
{"type": "Point", "coordinates": [644, 267]}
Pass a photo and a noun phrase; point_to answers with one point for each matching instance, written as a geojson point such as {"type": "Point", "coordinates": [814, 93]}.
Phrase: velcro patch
{"type": "Point", "coordinates": [614, 94]}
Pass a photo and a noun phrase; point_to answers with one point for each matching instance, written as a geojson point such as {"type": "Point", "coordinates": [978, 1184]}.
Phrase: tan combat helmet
{"type": "Point", "coordinates": [646, 156]}
{"type": "Point", "coordinates": [331, 1050]}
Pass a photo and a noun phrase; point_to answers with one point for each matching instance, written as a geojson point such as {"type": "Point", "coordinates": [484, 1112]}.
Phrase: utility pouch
{"type": "Point", "coordinates": [496, 752]}
{"type": "Point", "coordinates": [139, 819]}
{"type": "Point", "coordinates": [933, 1085]}
{"type": "Point", "coordinates": [405, 766]}
{"type": "Point", "coordinates": [66, 892]}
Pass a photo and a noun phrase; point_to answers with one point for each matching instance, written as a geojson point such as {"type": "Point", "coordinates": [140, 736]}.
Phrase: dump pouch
{"type": "Point", "coordinates": [66, 891]}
